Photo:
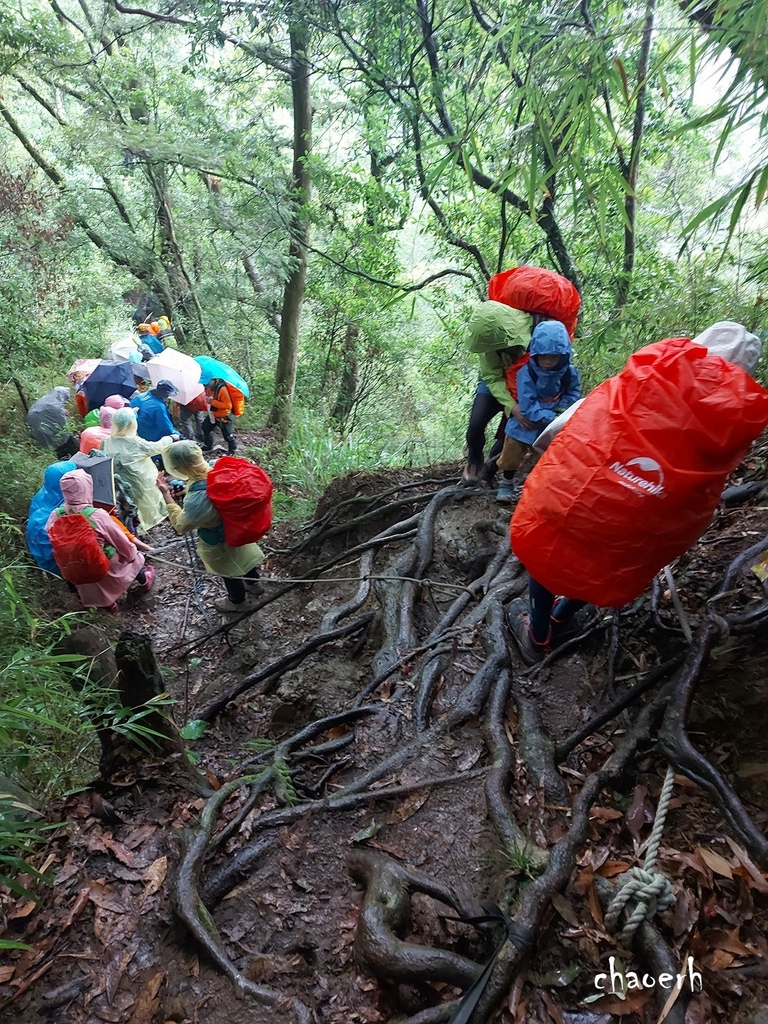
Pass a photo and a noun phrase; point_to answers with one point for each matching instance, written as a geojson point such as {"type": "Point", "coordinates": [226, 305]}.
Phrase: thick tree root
{"type": "Point", "coordinates": [681, 753]}
{"type": "Point", "coordinates": [500, 776]}
{"type": "Point", "coordinates": [192, 912]}
{"type": "Point", "coordinates": [537, 752]}
{"type": "Point", "coordinates": [386, 911]}
{"type": "Point", "coordinates": [242, 863]}
{"type": "Point", "coordinates": [562, 856]}
{"type": "Point", "coordinates": [655, 955]}
{"type": "Point", "coordinates": [275, 668]}
{"type": "Point", "coordinates": [331, 619]}
{"type": "Point", "coordinates": [567, 746]}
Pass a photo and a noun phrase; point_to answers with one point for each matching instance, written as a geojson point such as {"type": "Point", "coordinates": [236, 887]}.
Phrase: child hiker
{"type": "Point", "coordinates": [546, 386]}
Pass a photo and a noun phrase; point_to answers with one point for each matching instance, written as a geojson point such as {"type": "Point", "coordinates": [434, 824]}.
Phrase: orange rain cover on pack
{"type": "Point", "coordinates": [635, 475]}
{"type": "Point", "coordinates": [536, 290]}
{"type": "Point", "coordinates": [241, 492]}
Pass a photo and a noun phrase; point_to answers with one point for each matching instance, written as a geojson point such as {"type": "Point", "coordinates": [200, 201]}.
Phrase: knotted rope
{"type": "Point", "coordinates": [650, 890]}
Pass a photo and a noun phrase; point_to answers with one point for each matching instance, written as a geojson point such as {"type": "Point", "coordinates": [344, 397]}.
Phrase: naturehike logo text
{"type": "Point", "coordinates": [644, 476]}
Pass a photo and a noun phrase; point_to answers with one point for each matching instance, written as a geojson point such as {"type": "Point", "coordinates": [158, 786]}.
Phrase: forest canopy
{"type": "Point", "coordinates": [319, 193]}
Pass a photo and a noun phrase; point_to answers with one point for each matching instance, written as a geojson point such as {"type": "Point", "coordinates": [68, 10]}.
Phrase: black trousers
{"type": "Point", "coordinates": [227, 430]}
{"type": "Point", "coordinates": [236, 586]}
{"type": "Point", "coordinates": [484, 408]}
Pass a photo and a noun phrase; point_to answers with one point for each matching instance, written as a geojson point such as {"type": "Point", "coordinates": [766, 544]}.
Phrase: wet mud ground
{"type": "Point", "coordinates": [106, 944]}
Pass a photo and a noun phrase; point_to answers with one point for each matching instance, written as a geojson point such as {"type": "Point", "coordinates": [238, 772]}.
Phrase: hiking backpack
{"type": "Point", "coordinates": [510, 374]}
{"type": "Point", "coordinates": [241, 493]}
{"type": "Point", "coordinates": [238, 400]}
{"type": "Point", "coordinates": [537, 290]}
{"type": "Point", "coordinates": [76, 547]}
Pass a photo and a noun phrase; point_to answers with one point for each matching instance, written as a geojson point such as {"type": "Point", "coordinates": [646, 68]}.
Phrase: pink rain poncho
{"type": "Point", "coordinates": [124, 565]}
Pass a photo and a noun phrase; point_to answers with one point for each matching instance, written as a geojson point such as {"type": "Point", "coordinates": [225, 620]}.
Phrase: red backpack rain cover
{"type": "Point", "coordinates": [635, 475]}
{"type": "Point", "coordinates": [510, 374]}
{"type": "Point", "coordinates": [536, 290]}
{"type": "Point", "coordinates": [76, 548]}
{"type": "Point", "coordinates": [241, 493]}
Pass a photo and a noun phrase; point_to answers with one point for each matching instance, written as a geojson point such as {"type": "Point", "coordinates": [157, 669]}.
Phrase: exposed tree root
{"type": "Point", "coordinates": [371, 499]}
{"type": "Point", "coordinates": [275, 668]}
{"type": "Point", "coordinates": [680, 752]}
{"type": "Point", "coordinates": [499, 778]}
{"type": "Point", "coordinates": [562, 857]}
{"type": "Point", "coordinates": [242, 863]}
{"type": "Point", "coordinates": [653, 953]}
{"type": "Point", "coordinates": [192, 912]}
{"type": "Point", "coordinates": [386, 911]}
{"type": "Point", "coordinates": [538, 752]}
{"type": "Point", "coordinates": [567, 746]}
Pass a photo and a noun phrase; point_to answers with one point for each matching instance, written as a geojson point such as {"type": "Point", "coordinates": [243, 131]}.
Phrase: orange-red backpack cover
{"type": "Point", "coordinates": [636, 473]}
{"type": "Point", "coordinates": [241, 492]}
{"type": "Point", "coordinates": [536, 290]}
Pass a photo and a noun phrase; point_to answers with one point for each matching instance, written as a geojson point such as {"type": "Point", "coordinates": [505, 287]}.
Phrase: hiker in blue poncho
{"type": "Point", "coordinates": [44, 502]}
{"type": "Point", "coordinates": [152, 416]}
{"type": "Point", "coordinates": [546, 386]}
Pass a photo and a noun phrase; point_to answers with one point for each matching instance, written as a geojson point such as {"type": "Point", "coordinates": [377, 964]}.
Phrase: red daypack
{"type": "Point", "coordinates": [536, 290]}
{"type": "Point", "coordinates": [241, 493]}
{"type": "Point", "coordinates": [510, 374]}
{"type": "Point", "coordinates": [77, 549]}
{"type": "Point", "coordinates": [634, 476]}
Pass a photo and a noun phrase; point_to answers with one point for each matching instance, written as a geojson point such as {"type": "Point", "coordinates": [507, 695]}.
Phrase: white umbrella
{"type": "Point", "coordinates": [182, 371]}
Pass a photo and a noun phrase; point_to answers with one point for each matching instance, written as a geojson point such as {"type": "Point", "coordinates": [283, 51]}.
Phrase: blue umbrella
{"type": "Point", "coordinates": [215, 368]}
{"type": "Point", "coordinates": [108, 379]}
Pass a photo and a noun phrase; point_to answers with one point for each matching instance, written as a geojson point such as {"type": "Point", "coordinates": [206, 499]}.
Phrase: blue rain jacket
{"type": "Point", "coordinates": [544, 394]}
{"type": "Point", "coordinates": [154, 420]}
{"type": "Point", "coordinates": [44, 502]}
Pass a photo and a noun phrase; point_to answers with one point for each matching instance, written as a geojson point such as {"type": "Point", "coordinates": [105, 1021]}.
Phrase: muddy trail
{"type": "Point", "coordinates": [386, 816]}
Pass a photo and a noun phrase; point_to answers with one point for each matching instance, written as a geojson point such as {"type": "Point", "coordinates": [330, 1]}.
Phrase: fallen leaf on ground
{"type": "Point", "coordinates": [147, 1004]}
{"type": "Point", "coordinates": [715, 862]}
{"type": "Point", "coordinates": [565, 909]}
{"type": "Point", "coordinates": [407, 808]}
{"type": "Point", "coordinates": [119, 850]}
{"type": "Point", "coordinates": [154, 876]}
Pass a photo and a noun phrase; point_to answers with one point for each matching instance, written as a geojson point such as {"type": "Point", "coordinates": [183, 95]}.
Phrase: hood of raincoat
{"type": "Point", "coordinates": [733, 343]}
{"type": "Point", "coordinates": [124, 423]}
{"type": "Point", "coordinates": [106, 415]}
{"type": "Point", "coordinates": [495, 326]}
{"type": "Point", "coordinates": [77, 489]}
{"type": "Point", "coordinates": [115, 402]}
{"type": "Point", "coordinates": [551, 339]}
{"type": "Point", "coordinates": [52, 479]}
{"type": "Point", "coordinates": [44, 502]}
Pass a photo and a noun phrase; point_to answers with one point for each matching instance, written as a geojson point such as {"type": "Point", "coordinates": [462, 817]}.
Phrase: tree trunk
{"type": "Point", "coordinates": [347, 393]}
{"type": "Point", "coordinates": [293, 295]}
{"type": "Point", "coordinates": [630, 202]}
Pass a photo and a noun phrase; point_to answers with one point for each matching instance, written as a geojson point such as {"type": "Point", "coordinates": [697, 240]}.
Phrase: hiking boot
{"type": "Point", "coordinates": [227, 607]}
{"type": "Point", "coordinates": [561, 632]}
{"type": "Point", "coordinates": [508, 493]}
{"type": "Point", "coordinates": [470, 476]}
{"type": "Point", "coordinates": [488, 477]}
{"type": "Point", "coordinates": [254, 588]}
{"type": "Point", "coordinates": [519, 625]}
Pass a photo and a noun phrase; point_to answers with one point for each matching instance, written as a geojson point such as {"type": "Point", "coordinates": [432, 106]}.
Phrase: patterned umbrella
{"type": "Point", "coordinates": [81, 369]}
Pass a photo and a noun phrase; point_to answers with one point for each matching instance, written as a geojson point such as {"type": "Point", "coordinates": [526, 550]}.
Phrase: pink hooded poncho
{"type": "Point", "coordinates": [124, 565]}
{"type": "Point", "coordinates": [93, 436]}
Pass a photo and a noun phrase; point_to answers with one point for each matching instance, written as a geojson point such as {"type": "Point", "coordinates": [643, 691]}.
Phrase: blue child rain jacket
{"type": "Point", "coordinates": [544, 394]}
{"type": "Point", "coordinates": [44, 502]}
{"type": "Point", "coordinates": [154, 421]}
